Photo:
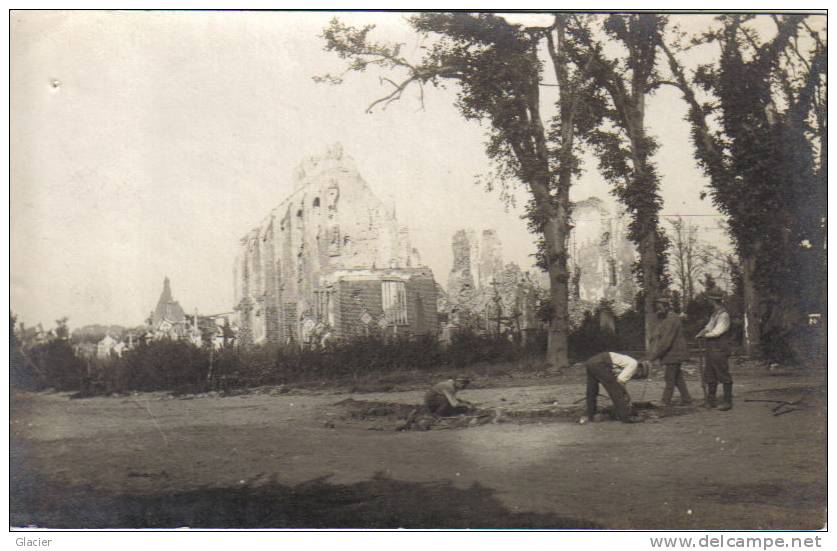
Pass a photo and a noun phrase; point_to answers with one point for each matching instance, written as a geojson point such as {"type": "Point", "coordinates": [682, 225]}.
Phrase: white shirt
{"type": "Point", "coordinates": [717, 326]}
{"type": "Point", "coordinates": [625, 364]}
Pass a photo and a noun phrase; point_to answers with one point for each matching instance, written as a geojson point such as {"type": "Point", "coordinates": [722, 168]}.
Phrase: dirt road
{"type": "Point", "coordinates": [297, 460]}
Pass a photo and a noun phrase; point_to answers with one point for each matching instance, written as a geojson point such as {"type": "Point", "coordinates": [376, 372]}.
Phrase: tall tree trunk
{"type": "Point", "coordinates": [557, 226]}
{"type": "Point", "coordinates": [650, 283]}
{"type": "Point", "coordinates": [645, 218]}
{"type": "Point", "coordinates": [555, 234]}
{"type": "Point", "coordinates": [752, 318]}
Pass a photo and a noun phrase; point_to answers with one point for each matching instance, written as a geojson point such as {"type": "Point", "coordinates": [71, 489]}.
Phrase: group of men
{"type": "Point", "coordinates": [668, 348]}
{"type": "Point", "coordinates": [613, 371]}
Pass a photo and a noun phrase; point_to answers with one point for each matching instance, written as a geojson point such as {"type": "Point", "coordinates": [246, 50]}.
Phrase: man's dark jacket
{"type": "Point", "coordinates": [668, 343]}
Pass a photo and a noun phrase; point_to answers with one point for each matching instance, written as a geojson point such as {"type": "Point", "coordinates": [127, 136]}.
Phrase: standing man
{"type": "Point", "coordinates": [613, 371]}
{"type": "Point", "coordinates": [668, 346]}
{"type": "Point", "coordinates": [717, 338]}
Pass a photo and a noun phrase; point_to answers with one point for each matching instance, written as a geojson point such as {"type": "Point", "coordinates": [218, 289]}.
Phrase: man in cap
{"type": "Point", "coordinates": [668, 346]}
{"type": "Point", "coordinates": [716, 336]}
{"type": "Point", "coordinates": [442, 399]}
{"type": "Point", "coordinates": [613, 371]}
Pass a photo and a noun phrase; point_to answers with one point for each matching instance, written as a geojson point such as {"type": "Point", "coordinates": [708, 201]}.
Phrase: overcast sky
{"type": "Point", "coordinates": [145, 145]}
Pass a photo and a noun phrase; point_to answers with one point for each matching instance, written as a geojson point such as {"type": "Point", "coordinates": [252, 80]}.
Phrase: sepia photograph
{"type": "Point", "coordinates": [428, 270]}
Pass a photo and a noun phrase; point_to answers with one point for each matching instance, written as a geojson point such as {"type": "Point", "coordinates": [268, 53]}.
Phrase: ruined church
{"type": "Point", "coordinates": [484, 293]}
{"type": "Point", "coordinates": [601, 256]}
{"type": "Point", "coordinates": [331, 261]}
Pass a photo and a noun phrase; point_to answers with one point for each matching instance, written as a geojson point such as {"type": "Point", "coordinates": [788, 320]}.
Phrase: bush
{"type": "Point", "coordinates": [588, 338]}
{"type": "Point", "coordinates": [58, 366]}
{"type": "Point", "coordinates": [159, 365]}
{"type": "Point", "coordinates": [20, 371]}
{"type": "Point", "coordinates": [182, 367]}
{"type": "Point", "coordinates": [271, 364]}
{"type": "Point", "coordinates": [468, 348]}
{"type": "Point", "coordinates": [630, 327]}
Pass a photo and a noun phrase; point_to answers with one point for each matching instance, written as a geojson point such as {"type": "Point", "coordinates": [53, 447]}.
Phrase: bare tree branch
{"type": "Point", "coordinates": [661, 82]}
{"type": "Point", "coordinates": [395, 95]}
{"type": "Point", "coordinates": [795, 49]}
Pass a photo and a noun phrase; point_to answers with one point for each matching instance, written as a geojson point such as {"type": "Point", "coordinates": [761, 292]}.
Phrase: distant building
{"type": "Point", "coordinates": [211, 330]}
{"type": "Point", "coordinates": [601, 256]}
{"type": "Point", "coordinates": [168, 320]}
{"type": "Point", "coordinates": [223, 334]}
{"type": "Point", "coordinates": [331, 261]}
{"type": "Point", "coordinates": [119, 348]}
{"type": "Point", "coordinates": [484, 294]}
{"type": "Point", "coordinates": [105, 347]}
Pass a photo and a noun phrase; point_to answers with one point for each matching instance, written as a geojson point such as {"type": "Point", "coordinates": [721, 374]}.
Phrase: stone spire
{"type": "Point", "coordinates": [166, 296]}
{"type": "Point", "coordinates": [167, 307]}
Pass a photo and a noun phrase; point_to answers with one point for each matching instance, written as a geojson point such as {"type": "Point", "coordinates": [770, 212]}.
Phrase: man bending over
{"type": "Point", "coordinates": [612, 371]}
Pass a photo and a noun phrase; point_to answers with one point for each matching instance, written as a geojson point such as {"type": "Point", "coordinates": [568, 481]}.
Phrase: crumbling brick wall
{"type": "Point", "coordinates": [355, 298]}
{"type": "Point", "coordinates": [481, 288]}
{"type": "Point", "coordinates": [358, 296]}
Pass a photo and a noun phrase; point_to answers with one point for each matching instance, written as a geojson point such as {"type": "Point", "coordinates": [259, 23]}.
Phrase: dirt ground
{"type": "Point", "coordinates": [302, 458]}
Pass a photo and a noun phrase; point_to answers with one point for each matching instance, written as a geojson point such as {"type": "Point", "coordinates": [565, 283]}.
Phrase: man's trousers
{"type": "Point", "coordinates": [717, 362]}
{"type": "Point", "coordinates": [674, 378]}
{"type": "Point", "coordinates": [603, 374]}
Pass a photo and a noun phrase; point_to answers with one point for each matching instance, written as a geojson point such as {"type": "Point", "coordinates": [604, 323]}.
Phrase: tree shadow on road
{"type": "Point", "coordinates": [380, 502]}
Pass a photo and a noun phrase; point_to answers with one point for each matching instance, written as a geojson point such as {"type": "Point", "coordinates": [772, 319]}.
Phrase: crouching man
{"type": "Point", "coordinates": [612, 371]}
{"type": "Point", "coordinates": [442, 400]}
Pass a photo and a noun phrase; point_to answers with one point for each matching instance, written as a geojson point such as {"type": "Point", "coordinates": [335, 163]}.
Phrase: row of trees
{"type": "Point", "coordinates": [757, 114]}
{"type": "Point", "coordinates": [182, 366]}
{"type": "Point", "coordinates": [48, 360]}
{"type": "Point", "coordinates": [762, 141]}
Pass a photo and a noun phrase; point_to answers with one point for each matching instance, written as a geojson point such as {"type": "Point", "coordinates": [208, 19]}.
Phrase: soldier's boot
{"type": "Point", "coordinates": [711, 392]}
{"type": "Point", "coordinates": [726, 405]}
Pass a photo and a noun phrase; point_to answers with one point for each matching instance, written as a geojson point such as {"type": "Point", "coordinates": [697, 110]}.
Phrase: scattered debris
{"type": "Point", "coordinates": [782, 406]}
